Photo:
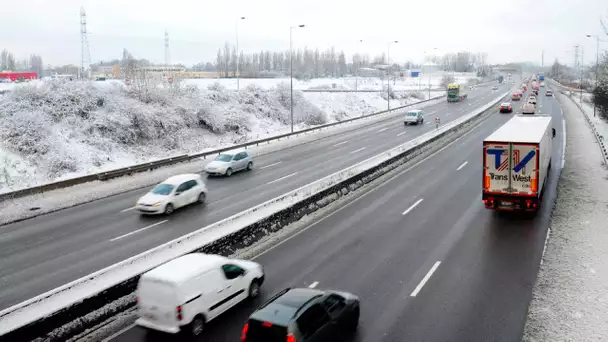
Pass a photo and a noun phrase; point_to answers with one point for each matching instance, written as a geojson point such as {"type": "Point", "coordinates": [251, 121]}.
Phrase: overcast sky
{"type": "Point", "coordinates": [513, 30]}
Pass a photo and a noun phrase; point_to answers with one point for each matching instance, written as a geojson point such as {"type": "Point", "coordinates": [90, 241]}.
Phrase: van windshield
{"type": "Point", "coordinates": [412, 114]}
{"type": "Point", "coordinates": [153, 292]}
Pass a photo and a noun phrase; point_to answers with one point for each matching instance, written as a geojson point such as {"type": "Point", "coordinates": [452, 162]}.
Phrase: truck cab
{"type": "Point", "coordinates": [456, 92]}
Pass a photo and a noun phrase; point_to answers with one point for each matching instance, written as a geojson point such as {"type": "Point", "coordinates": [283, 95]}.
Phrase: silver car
{"type": "Point", "coordinates": [225, 164]}
{"type": "Point", "coordinates": [413, 117]}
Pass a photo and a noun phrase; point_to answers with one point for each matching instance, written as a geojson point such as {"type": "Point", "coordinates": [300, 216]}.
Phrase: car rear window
{"type": "Point", "coordinates": [265, 332]}
{"type": "Point", "coordinates": [412, 114]}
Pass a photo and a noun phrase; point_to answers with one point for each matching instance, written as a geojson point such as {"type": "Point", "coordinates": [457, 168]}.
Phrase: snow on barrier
{"type": "Point", "coordinates": [72, 308]}
{"type": "Point", "coordinates": [110, 174]}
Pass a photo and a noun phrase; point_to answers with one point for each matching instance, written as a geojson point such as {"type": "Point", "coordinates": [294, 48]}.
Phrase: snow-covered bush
{"type": "Point", "coordinates": [70, 127]}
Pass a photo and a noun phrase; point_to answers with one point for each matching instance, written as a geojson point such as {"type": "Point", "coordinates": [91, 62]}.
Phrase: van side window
{"type": "Point", "coordinates": [232, 271]}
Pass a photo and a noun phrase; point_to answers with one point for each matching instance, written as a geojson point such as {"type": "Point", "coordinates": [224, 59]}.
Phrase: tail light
{"type": "Point", "coordinates": [178, 312]}
{"type": "Point", "coordinates": [244, 332]}
{"type": "Point", "coordinates": [291, 338]}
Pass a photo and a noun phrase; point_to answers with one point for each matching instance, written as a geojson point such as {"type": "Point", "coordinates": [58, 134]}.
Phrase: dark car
{"type": "Point", "coordinates": [304, 315]}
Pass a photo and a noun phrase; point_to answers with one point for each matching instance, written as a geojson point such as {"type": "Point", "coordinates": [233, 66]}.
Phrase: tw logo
{"type": "Point", "coordinates": [500, 164]}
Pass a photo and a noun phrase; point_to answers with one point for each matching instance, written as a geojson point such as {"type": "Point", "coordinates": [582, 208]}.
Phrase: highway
{"type": "Point", "coordinates": [428, 261]}
{"type": "Point", "coordinates": [48, 251]}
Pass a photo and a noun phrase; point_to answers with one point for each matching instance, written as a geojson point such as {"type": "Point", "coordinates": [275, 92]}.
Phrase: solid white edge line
{"type": "Point", "coordinates": [280, 179]}
{"type": "Point", "coordinates": [462, 165]}
{"type": "Point", "coordinates": [340, 143]}
{"type": "Point", "coordinates": [270, 165]}
{"type": "Point", "coordinates": [412, 206]}
{"type": "Point", "coordinates": [563, 142]}
{"type": "Point", "coordinates": [545, 246]}
{"type": "Point", "coordinates": [358, 150]}
{"type": "Point", "coordinates": [128, 209]}
{"type": "Point", "coordinates": [139, 230]}
{"type": "Point", "coordinates": [313, 285]}
{"type": "Point", "coordinates": [425, 279]}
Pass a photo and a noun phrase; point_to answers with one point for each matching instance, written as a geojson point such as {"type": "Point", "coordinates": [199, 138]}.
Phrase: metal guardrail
{"type": "Point", "coordinates": [106, 175]}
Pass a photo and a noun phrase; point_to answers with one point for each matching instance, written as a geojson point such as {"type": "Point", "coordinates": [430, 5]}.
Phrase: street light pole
{"type": "Point", "coordinates": [597, 64]}
{"type": "Point", "coordinates": [238, 54]}
{"type": "Point", "coordinates": [388, 74]}
{"type": "Point", "coordinates": [291, 72]}
{"type": "Point", "coordinates": [357, 69]}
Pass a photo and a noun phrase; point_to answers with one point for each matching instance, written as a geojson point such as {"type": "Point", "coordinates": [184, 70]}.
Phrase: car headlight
{"type": "Point", "coordinates": [156, 204]}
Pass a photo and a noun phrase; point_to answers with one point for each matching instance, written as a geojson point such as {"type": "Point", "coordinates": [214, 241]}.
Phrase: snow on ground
{"type": "Point", "coordinates": [570, 298]}
{"type": "Point", "coordinates": [56, 130]}
{"type": "Point", "coordinates": [601, 125]}
{"type": "Point", "coordinates": [346, 83]}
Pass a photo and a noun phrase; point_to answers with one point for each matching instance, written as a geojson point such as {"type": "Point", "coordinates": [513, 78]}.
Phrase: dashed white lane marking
{"type": "Point", "coordinates": [428, 123]}
{"type": "Point", "coordinates": [270, 165]}
{"type": "Point", "coordinates": [128, 209]}
{"type": "Point", "coordinates": [402, 133]}
{"type": "Point", "coordinates": [139, 230]}
{"type": "Point", "coordinates": [461, 166]}
{"type": "Point", "coordinates": [412, 206]}
{"type": "Point", "coordinates": [382, 130]}
{"type": "Point", "coordinates": [358, 150]}
{"type": "Point", "coordinates": [425, 279]}
{"type": "Point", "coordinates": [284, 177]}
{"type": "Point", "coordinates": [313, 285]}
{"type": "Point", "coordinates": [340, 143]}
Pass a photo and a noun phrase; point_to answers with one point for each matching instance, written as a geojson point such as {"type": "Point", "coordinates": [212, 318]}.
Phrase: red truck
{"type": "Point", "coordinates": [15, 76]}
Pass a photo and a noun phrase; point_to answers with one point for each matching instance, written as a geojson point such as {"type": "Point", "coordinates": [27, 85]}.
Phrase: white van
{"type": "Point", "coordinates": [187, 292]}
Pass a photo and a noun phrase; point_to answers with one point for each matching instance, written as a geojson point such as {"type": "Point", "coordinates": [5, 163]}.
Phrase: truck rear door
{"type": "Point", "coordinates": [496, 167]}
{"type": "Point", "coordinates": [524, 170]}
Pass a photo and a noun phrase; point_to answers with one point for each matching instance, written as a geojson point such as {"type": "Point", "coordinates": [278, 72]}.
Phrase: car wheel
{"type": "Point", "coordinates": [249, 166]}
{"type": "Point", "coordinates": [201, 197]}
{"type": "Point", "coordinates": [169, 209]}
{"type": "Point", "coordinates": [229, 172]}
{"type": "Point", "coordinates": [254, 289]}
{"type": "Point", "coordinates": [197, 326]}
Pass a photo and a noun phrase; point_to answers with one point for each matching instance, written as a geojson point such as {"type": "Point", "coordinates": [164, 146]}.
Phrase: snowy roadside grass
{"type": "Point", "coordinates": [57, 130]}
{"type": "Point", "coordinates": [570, 298]}
{"type": "Point", "coordinates": [17, 209]}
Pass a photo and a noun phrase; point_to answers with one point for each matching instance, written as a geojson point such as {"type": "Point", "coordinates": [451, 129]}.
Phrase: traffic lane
{"type": "Point", "coordinates": [484, 285]}
{"type": "Point", "coordinates": [342, 250]}
{"type": "Point", "coordinates": [68, 254]}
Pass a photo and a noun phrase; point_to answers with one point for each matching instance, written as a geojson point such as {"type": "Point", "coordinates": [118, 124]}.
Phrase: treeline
{"type": "Point", "coordinates": [8, 62]}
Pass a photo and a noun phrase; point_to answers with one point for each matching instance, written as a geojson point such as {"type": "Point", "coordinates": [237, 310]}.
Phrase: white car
{"type": "Point", "coordinates": [186, 293]}
{"type": "Point", "coordinates": [225, 164]}
{"type": "Point", "coordinates": [175, 192]}
{"type": "Point", "coordinates": [532, 100]}
{"type": "Point", "coordinates": [495, 87]}
{"type": "Point", "coordinates": [528, 108]}
{"type": "Point", "coordinates": [414, 117]}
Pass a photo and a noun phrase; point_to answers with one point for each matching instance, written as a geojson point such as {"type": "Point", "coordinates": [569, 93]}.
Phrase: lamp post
{"type": "Point", "coordinates": [597, 63]}
{"type": "Point", "coordinates": [238, 53]}
{"type": "Point", "coordinates": [291, 71]}
{"type": "Point", "coordinates": [357, 70]}
{"type": "Point", "coordinates": [434, 49]}
{"type": "Point", "coordinates": [388, 73]}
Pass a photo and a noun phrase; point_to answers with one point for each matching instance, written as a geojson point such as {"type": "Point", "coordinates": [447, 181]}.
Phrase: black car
{"type": "Point", "coordinates": [304, 315]}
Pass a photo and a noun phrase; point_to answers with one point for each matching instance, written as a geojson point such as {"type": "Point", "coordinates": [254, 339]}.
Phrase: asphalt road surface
{"type": "Point", "coordinates": [48, 251]}
{"type": "Point", "coordinates": [429, 262]}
